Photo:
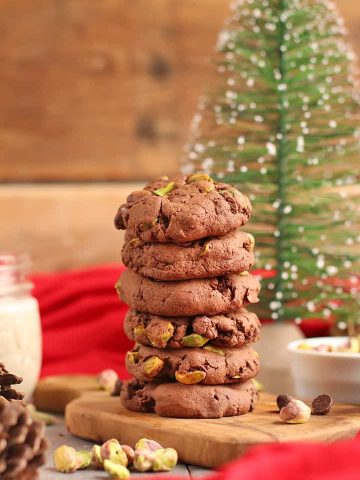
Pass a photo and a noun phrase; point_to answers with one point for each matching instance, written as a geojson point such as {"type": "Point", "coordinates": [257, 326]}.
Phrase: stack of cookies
{"type": "Point", "coordinates": [187, 284]}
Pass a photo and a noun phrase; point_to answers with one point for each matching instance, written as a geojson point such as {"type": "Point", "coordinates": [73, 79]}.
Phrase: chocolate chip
{"type": "Point", "coordinates": [117, 388]}
{"type": "Point", "coordinates": [321, 405]}
{"type": "Point", "coordinates": [283, 400]}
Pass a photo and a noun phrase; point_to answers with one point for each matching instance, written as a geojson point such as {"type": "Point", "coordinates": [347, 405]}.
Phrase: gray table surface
{"type": "Point", "coordinates": [58, 435]}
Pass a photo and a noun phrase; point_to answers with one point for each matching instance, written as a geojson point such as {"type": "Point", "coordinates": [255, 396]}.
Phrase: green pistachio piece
{"type": "Point", "coordinates": [139, 330]}
{"type": "Point", "coordinates": [194, 340]}
{"type": "Point", "coordinates": [132, 357]}
{"type": "Point", "coordinates": [206, 249]}
{"type": "Point", "coordinates": [161, 192]}
{"type": "Point", "coordinates": [153, 366]}
{"type": "Point", "coordinates": [198, 177]}
{"type": "Point", "coordinates": [147, 225]}
{"type": "Point", "coordinates": [190, 378]}
{"type": "Point", "coordinates": [116, 471]}
{"type": "Point", "coordinates": [136, 242]}
{"type": "Point", "coordinates": [210, 348]}
{"type": "Point", "coordinates": [165, 459]}
{"type": "Point", "coordinates": [230, 192]}
{"type": "Point", "coordinates": [252, 241]}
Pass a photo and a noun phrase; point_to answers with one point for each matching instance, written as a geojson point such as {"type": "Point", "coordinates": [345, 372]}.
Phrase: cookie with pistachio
{"type": "Point", "coordinates": [207, 296]}
{"type": "Point", "coordinates": [191, 366]}
{"type": "Point", "coordinates": [189, 401]}
{"type": "Point", "coordinates": [209, 257]}
{"type": "Point", "coordinates": [224, 330]}
{"type": "Point", "coordinates": [183, 209]}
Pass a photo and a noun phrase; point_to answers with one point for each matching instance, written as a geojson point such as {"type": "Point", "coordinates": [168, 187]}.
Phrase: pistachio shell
{"type": "Point", "coordinates": [190, 378]}
{"type": "Point", "coordinates": [194, 340]}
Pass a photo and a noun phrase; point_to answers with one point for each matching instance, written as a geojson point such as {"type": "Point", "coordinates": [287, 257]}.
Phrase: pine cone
{"type": "Point", "coordinates": [22, 442]}
{"type": "Point", "coordinates": [6, 380]}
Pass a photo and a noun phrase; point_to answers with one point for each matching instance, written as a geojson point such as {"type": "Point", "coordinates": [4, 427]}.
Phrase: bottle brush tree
{"type": "Point", "coordinates": [282, 123]}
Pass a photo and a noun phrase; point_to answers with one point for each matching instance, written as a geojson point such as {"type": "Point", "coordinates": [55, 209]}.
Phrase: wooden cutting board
{"type": "Point", "coordinates": [53, 393]}
{"type": "Point", "coordinates": [207, 443]}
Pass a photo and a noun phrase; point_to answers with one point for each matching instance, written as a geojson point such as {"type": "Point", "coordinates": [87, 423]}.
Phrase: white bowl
{"type": "Point", "coordinates": [334, 373]}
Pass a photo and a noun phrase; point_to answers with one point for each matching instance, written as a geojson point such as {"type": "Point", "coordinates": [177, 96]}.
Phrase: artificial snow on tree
{"type": "Point", "coordinates": [281, 123]}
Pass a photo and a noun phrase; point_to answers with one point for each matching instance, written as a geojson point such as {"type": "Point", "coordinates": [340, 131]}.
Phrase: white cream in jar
{"type": "Point", "coordinates": [20, 328]}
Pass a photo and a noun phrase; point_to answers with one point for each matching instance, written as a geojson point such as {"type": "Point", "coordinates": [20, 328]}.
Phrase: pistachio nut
{"type": "Point", "coordinates": [107, 380]}
{"type": "Point", "coordinates": [139, 330]}
{"type": "Point", "coordinates": [129, 453]}
{"type": "Point", "coordinates": [85, 459]}
{"type": "Point", "coordinates": [146, 444]}
{"type": "Point", "coordinates": [165, 459]}
{"type": "Point", "coordinates": [206, 249]}
{"type": "Point", "coordinates": [211, 348]}
{"type": "Point", "coordinates": [160, 333]}
{"type": "Point", "coordinates": [295, 411]}
{"type": "Point", "coordinates": [116, 470]}
{"type": "Point", "coordinates": [161, 192]}
{"type": "Point", "coordinates": [252, 241]}
{"type": "Point", "coordinates": [143, 460]}
{"type": "Point", "coordinates": [111, 450]}
{"type": "Point", "coordinates": [96, 456]}
{"type": "Point", "coordinates": [209, 188]}
{"type": "Point", "coordinates": [118, 287]}
{"type": "Point", "coordinates": [132, 357]}
{"type": "Point", "coordinates": [190, 378]}
{"type": "Point", "coordinates": [198, 177]}
{"type": "Point", "coordinates": [135, 242]}
{"type": "Point", "coordinates": [66, 459]}
{"type": "Point", "coordinates": [152, 366]}
{"type": "Point", "coordinates": [194, 340]}
{"type": "Point", "coordinates": [230, 192]}
{"type": "Point", "coordinates": [147, 225]}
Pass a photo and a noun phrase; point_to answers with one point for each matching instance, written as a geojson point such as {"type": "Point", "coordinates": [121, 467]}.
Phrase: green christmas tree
{"type": "Point", "coordinates": [281, 123]}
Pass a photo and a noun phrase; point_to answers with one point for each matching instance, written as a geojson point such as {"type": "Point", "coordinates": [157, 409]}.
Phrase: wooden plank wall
{"type": "Point", "coordinates": [96, 91]}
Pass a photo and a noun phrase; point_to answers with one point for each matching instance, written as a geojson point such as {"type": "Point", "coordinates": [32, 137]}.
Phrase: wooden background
{"type": "Point", "coordinates": [94, 94]}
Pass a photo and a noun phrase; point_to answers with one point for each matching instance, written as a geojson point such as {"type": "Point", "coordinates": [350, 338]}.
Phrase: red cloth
{"type": "Point", "coordinates": [82, 321]}
{"type": "Point", "coordinates": [293, 461]}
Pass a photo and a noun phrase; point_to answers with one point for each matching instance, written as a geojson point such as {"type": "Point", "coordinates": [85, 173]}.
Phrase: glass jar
{"type": "Point", "coordinates": [20, 328]}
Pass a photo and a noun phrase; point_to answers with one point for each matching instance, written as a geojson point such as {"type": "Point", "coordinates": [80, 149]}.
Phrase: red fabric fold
{"type": "Point", "coordinates": [82, 322]}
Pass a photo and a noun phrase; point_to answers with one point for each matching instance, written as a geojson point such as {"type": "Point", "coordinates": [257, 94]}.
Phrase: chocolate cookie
{"type": "Point", "coordinates": [230, 330]}
{"type": "Point", "coordinates": [189, 297]}
{"type": "Point", "coordinates": [193, 365]}
{"type": "Point", "coordinates": [183, 209]}
{"type": "Point", "coordinates": [189, 401]}
{"type": "Point", "coordinates": [210, 257]}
